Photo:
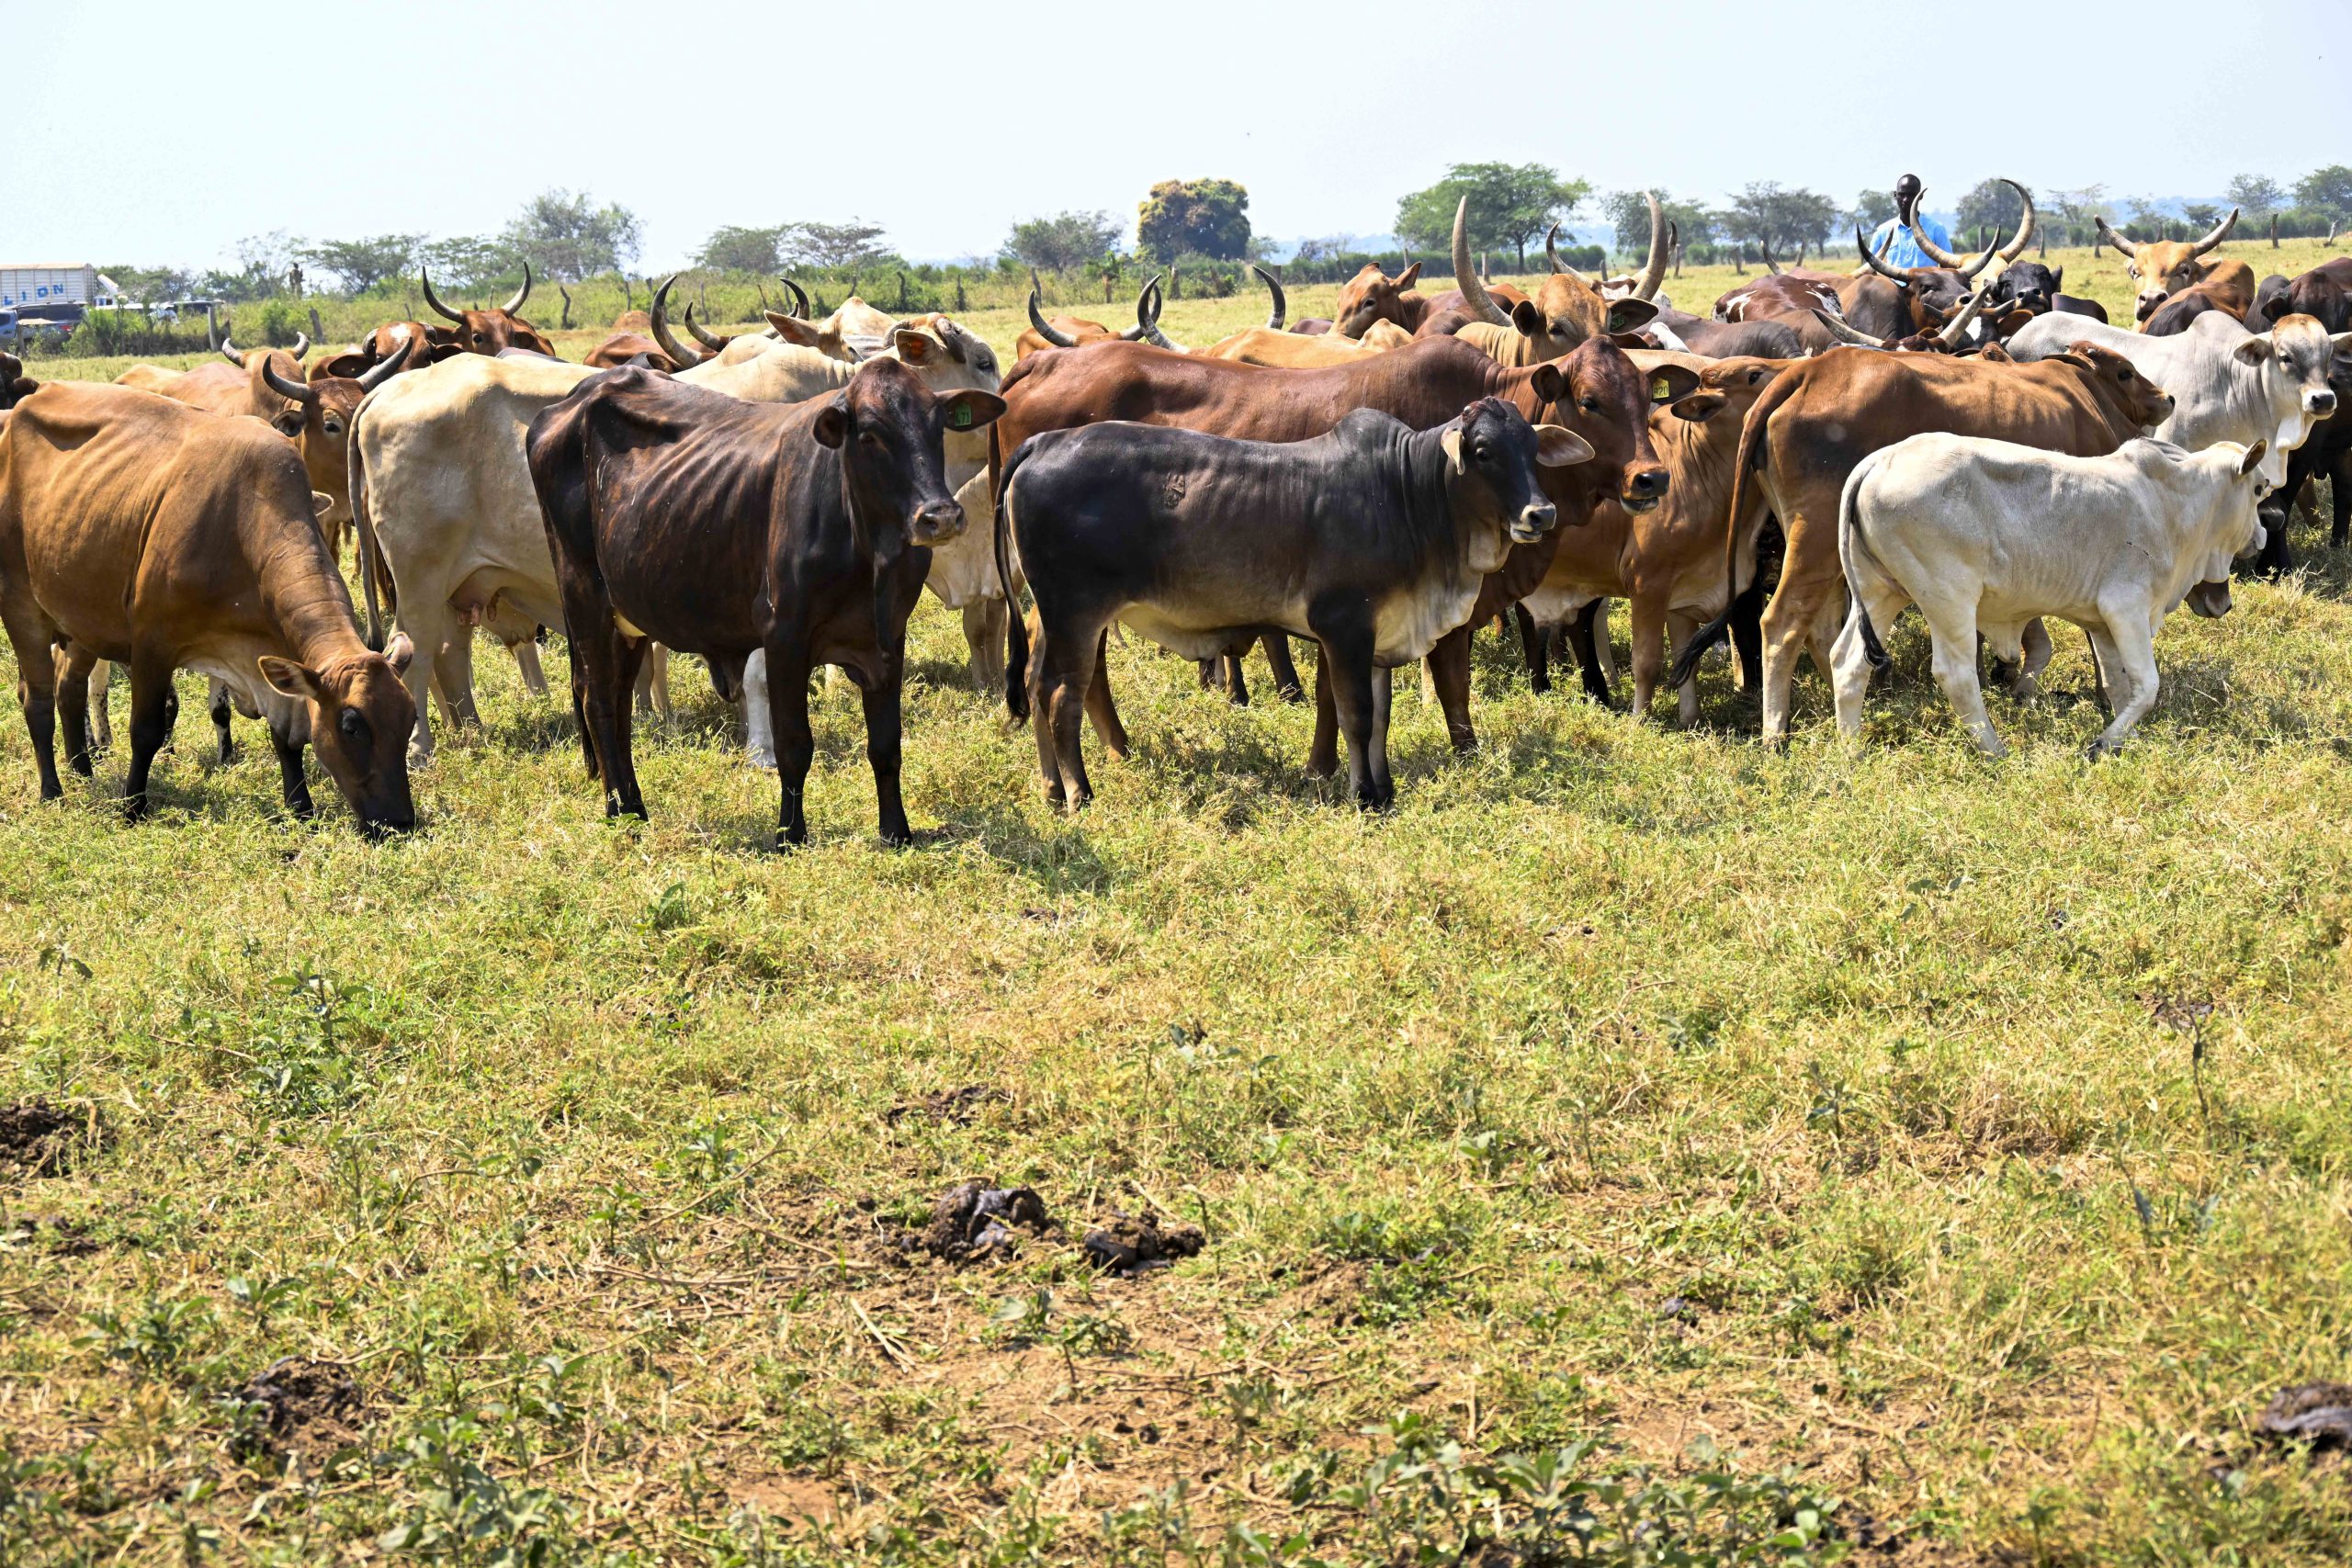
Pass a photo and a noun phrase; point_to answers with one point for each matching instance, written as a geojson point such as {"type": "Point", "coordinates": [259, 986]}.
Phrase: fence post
{"type": "Point", "coordinates": [318, 332]}
{"type": "Point", "coordinates": [960, 306]}
{"type": "Point", "coordinates": [902, 292]}
{"type": "Point", "coordinates": [1175, 282]}
{"type": "Point", "coordinates": [2274, 231]}
{"type": "Point", "coordinates": [211, 327]}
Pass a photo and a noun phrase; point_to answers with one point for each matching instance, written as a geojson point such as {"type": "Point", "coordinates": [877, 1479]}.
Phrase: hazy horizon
{"type": "Point", "coordinates": [457, 116]}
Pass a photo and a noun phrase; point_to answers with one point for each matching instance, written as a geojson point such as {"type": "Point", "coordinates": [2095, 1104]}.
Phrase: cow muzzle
{"type": "Point", "coordinates": [937, 522]}
{"type": "Point", "coordinates": [1533, 521]}
{"type": "Point", "coordinates": [1643, 491]}
{"type": "Point", "coordinates": [2321, 403]}
{"type": "Point", "coordinates": [2210, 600]}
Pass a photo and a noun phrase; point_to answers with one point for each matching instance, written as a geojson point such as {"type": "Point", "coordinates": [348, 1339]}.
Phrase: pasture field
{"type": "Point", "coordinates": [1636, 1143]}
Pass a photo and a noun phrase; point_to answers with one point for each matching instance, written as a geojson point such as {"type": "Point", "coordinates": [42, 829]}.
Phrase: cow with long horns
{"type": "Point", "coordinates": [2163, 268]}
{"type": "Point", "coordinates": [487, 331]}
{"type": "Point", "coordinates": [1566, 311]}
{"type": "Point", "coordinates": [1071, 332]}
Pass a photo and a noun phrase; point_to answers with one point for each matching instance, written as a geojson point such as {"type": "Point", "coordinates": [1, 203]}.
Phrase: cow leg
{"type": "Point", "coordinates": [1060, 672]}
{"type": "Point", "coordinates": [1850, 667]}
{"type": "Point", "coordinates": [758, 719]}
{"type": "Point", "coordinates": [429, 625]}
{"type": "Point", "coordinates": [36, 683]}
{"type": "Point", "coordinates": [150, 725]}
{"type": "Point", "coordinates": [1237, 682]}
{"type": "Point", "coordinates": [223, 711]}
{"type": "Point", "coordinates": [2026, 684]}
{"type": "Point", "coordinates": [1647, 619]}
{"type": "Point", "coordinates": [1785, 623]}
{"type": "Point", "coordinates": [1581, 638]}
{"type": "Point", "coordinates": [1348, 651]}
{"type": "Point", "coordinates": [1448, 669]}
{"type": "Point", "coordinates": [984, 629]}
{"type": "Point", "coordinates": [1748, 636]}
{"type": "Point", "coordinates": [603, 669]}
{"type": "Point", "coordinates": [1211, 672]}
{"type": "Point", "coordinates": [1287, 684]}
{"type": "Point", "coordinates": [453, 679]}
{"type": "Point", "coordinates": [1680, 629]}
{"type": "Point", "coordinates": [1604, 652]}
{"type": "Point", "coordinates": [526, 660]}
{"type": "Point", "coordinates": [73, 705]}
{"type": "Point", "coordinates": [796, 744]}
{"type": "Point", "coordinates": [1535, 643]}
{"type": "Point", "coordinates": [1955, 665]}
{"type": "Point", "coordinates": [1101, 710]}
{"type": "Point", "coordinates": [885, 739]}
{"type": "Point", "coordinates": [652, 685]}
{"type": "Point", "coordinates": [101, 679]}
{"type": "Point", "coordinates": [1382, 786]}
{"type": "Point", "coordinates": [291, 782]}
{"type": "Point", "coordinates": [2339, 484]}
{"type": "Point", "coordinates": [2127, 653]}
{"type": "Point", "coordinates": [1323, 752]}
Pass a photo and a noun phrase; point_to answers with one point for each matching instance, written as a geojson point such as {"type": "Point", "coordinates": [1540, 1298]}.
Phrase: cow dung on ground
{"type": "Point", "coordinates": [2319, 1414]}
{"type": "Point", "coordinates": [976, 1221]}
{"type": "Point", "coordinates": [33, 1135]}
{"type": "Point", "coordinates": [955, 1105]}
{"type": "Point", "coordinates": [301, 1405]}
{"type": "Point", "coordinates": [1129, 1246]}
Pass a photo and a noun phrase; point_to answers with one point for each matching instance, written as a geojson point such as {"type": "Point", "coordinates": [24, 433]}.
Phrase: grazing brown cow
{"type": "Point", "coordinates": [723, 528]}
{"type": "Point", "coordinates": [1595, 391]}
{"type": "Point", "coordinates": [1822, 416]}
{"type": "Point", "coordinates": [488, 332]}
{"type": "Point", "coordinates": [1564, 312]}
{"type": "Point", "coordinates": [2165, 268]}
{"type": "Point", "coordinates": [137, 529]}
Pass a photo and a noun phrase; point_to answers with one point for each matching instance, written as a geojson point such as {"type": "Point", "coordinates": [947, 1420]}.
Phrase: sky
{"type": "Point", "coordinates": [441, 117]}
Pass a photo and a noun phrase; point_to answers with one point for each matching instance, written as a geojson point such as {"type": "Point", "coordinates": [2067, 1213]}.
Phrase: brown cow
{"type": "Point", "coordinates": [2325, 294]}
{"type": "Point", "coordinates": [432, 346]}
{"type": "Point", "coordinates": [1564, 312]}
{"type": "Point", "coordinates": [487, 331]}
{"type": "Point", "coordinates": [138, 529]}
{"type": "Point", "coordinates": [1071, 331]}
{"type": "Point", "coordinates": [2163, 267]}
{"type": "Point", "coordinates": [1822, 416]}
{"type": "Point", "coordinates": [15, 385]}
{"type": "Point", "coordinates": [628, 343]}
{"type": "Point", "coordinates": [1596, 391]}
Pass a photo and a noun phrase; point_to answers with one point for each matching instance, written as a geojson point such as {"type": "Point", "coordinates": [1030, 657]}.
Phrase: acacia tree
{"type": "Point", "coordinates": [565, 235]}
{"type": "Point", "coordinates": [363, 264]}
{"type": "Point", "coordinates": [1063, 241]}
{"type": "Point", "coordinates": [1991, 204]}
{"type": "Point", "coordinates": [1629, 215]}
{"type": "Point", "coordinates": [2259, 195]}
{"type": "Point", "coordinates": [735, 249]}
{"type": "Point", "coordinates": [1767, 213]}
{"type": "Point", "coordinates": [851, 244]}
{"type": "Point", "coordinates": [1208, 217]}
{"type": "Point", "coordinates": [2328, 191]}
{"type": "Point", "coordinates": [1510, 206]}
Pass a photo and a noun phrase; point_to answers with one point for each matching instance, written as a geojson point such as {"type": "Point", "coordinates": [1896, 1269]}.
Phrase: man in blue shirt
{"type": "Point", "coordinates": [1907, 223]}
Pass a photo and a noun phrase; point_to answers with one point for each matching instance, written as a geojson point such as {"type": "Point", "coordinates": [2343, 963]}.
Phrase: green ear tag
{"type": "Point", "coordinates": [960, 417]}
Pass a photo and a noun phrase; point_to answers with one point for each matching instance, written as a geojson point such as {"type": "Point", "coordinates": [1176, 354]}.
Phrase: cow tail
{"type": "Point", "coordinates": [1751, 440]}
{"type": "Point", "coordinates": [1016, 629]}
{"type": "Point", "coordinates": [1851, 548]}
{"type": "Point", "coordinates": [371, 571]}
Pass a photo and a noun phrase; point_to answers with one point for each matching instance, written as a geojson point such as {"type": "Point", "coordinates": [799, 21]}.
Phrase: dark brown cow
{"type": "Point", "coordinates": [137, 529]}
{"type": "Point", "coordinates": [2324, 293]}
{"type": "Point", "coordinates": [1822, 416]}
{"type": "Point", "coordinates": [15, 385]}
{"type": "Point", "coordinates": [2175, 314]}
{"type": "Point", "coordinates": [720, 527]}
{"type": "Point", "coordinates": [1595, 391]}
{"type": "Point", "coordinates": [487, 331]}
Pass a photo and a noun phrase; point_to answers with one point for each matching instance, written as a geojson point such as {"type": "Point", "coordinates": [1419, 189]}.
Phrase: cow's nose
{"type": "Point", "coordinates": [2321, 402]}
{"type": "Point", "coordinates": [1536, 521]}
{"type": "Point", "coordinates": [938, 520]}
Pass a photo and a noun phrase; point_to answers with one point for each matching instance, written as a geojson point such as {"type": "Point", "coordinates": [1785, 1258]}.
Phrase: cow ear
{"type": "Point", "coordinates": [970, 409]}
{"type": "Point", "coordinates": [832, 424]}
{"type": "Point", "coordinates": [288, 679]}
{"type": "Point", "coordinates": [1630, 315]}
{"type": "Point", "coordinates": [1452, 441]}
{"type": "Point", "coordinates": [1548, 385]}
{"type": "Point", "coordinates": [2253, 459]}
{"type": "Point", "coordinates": [321, 502]}
{"type": "Point", "coordinates": [2057, 278]}
{"type": "Point", "coordinates": [1527, 317]}
{"type": "Point", "coordinates": [1557, 446]}
{"type": "Point", "coordinates": [1672, 383]}
{"type": "Point", "coordinates": [2275, 308]}
{"type": "Point", "coordinates": [1700, 407]}
{"type": "Point", "coordinates": [400, 652]}
{"type": "Point", "coordinates": [793, 330]}
{"type": "Point", "coordinates": [914, 347]}
{"type": "Point", "coordinates": [2253, 351]}
{"type": "Point", "coordinates": [2342, 344]}
{"type": "Point", "coordinates": [1410, 276]}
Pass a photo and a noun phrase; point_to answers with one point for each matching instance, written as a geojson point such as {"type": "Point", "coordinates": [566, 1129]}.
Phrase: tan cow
{"type": "Point", "coordinates": [1292, 351]}
{"type": "Point", "coordinates": [2163, 268]}
{"type": "Point", "coordinates": [138, 529]}
{"type": "Point", "coordinates": [1565, 311]}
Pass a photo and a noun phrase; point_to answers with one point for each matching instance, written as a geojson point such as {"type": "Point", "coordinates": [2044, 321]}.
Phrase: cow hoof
{"type": "Point", "coordinates": [761, 759]}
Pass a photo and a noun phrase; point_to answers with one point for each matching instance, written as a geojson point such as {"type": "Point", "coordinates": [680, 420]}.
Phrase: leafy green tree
{"type": "Point", "coordinates": [151, 284]}
{"type": "Point", "coordinates": [2259, 195]}
{"type": "Point", "coordinates": [566, 236]}
{"type": "Point", "coordinates": [1511, 205]}
{"type": "Point", "coordinates": [1063, 241]}
{"type": "Point", "coordinates": [852, 244]}
{"type": "Point", "coordinates": [364, 264]}
{"type": "Point", "coordinates": [2327, 190]}
{"type": "Point", "coordinates": [465, 261]}
{"type": "Point", "coordinates": [1989, 204]}
{"type": "Point", "coordinates": [1209, 217]}
{"type": "Point", "coordinates": [1766, 213]}
{"type": "Point", "coordinates": [1872, 207]}
{"type": "Point", "coordinates": [734, 249]}
{"type": "Point", "coordinates": [1629, 215]}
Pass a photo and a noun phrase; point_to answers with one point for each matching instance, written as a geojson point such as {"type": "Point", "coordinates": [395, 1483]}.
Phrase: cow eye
{"type": "Point", "coordinates": [353, 725]}
{"type": "Point", "coordinates": [334, 427]}
{"type": "Point", "coordinates": [1589, 403]}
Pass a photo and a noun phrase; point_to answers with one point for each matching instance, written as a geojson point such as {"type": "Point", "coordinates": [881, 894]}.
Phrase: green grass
{"type": "Point", "coordinates": [1729, 1131]}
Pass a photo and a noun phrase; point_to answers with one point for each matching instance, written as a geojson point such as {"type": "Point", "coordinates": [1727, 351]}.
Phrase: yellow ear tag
{"type": "Point", "coordinates": [1659, 389]}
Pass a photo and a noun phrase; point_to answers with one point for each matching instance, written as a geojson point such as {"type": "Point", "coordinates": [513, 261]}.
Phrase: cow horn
{"type": "Point", "coordinates": [2112, 238]}
{"type": "Point", "coordinates": [425, 280]}
{"type": "Point", "coordinates": [1862, 243]}
{"type": "Point", "coordinates": [2220, 232]}
{"type": "Point", "coordinates": [1955, 329]}
{"type": "Point", "coordinates": [301, 349]}
{"type": "Point", "coordinates": [2015, 247]}
{"type": "Point", "coordinates": [680, 354]}
{"type": "Point", "coordinates": [1281, 311]}
{"type": "Point", "coordinates": [1466, 277]}
{"type": "Point", "coordinates": [520, 294]}
{"type": "Point", "coordinates": [704, 335]}
{"type": "Point", "coordinates": [1843, 332]}
{"type": "Point", "coordinates": [292, 391]}
{"type": "Point", "coordinates": [1551, 252]}
{"type": "Point", "coordinates": [1936, 253]}
{"type": "Point", "coordinates": [1038, 324]}
{"type": "Point", "coordinates": [383, 370]}
{"type": "Point", "coordinates": [232, 354]}
{"type": "Point", "coordinates": [800, 297]}
{"type": "Point", "coordinates": [1153, 296]}
{"type": "Point", "coordinates": [1646, 287]}
{"type": "Point", "coordinates": [1764, 245]}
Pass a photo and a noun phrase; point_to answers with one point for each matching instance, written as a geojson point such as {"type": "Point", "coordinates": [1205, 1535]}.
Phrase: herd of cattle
{"type": "Point", "coordinates": [1791, 470]}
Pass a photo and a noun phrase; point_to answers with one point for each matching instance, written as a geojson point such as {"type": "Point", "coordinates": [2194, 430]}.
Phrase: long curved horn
{"type": "Point", "coordinates": [425, 280]}
{"type": "Point", "coordinates": [704, 335]}
{"type": "Point", "coordinates": [1843, 332]}
{"type": "Point", "coordinates": [1765, 246]}
{"type": "Point", "coordinates": [2220, 232]}
{"type": "Point", "coordinates": [1936, 253]}
{"type": "Point", "coordinates": [1466, 277]}
{"type": "Point", "coordinates": [1281, 311]}
{"type": "Point", "coordinates": [1038, 324]}
{"type": "Point", "coordinates": [292, 391]}
{"type": "Point", "coordinates": [799, 296]}
{"type": "Point", "coordinates": [232, 354]}
{"type": "Point", "coordinates": [1862, 243]}
{"type": "Point", "coordinates": [383, 370]}
{"type": "Point", "coordinates": [1150, 323]}
{"type": "Point", "coordinates": [520, 294]}
{"type": "Point", "coordinates": [1957, 328]}
{"type": "Point", "coordinates": [2112, 238]}
{"type": "Point", "coordinates": [1654, 274]}
{"type": "Point", "coordinates": [680, 354]}
{"type": "Point", "coordinates": [1145, 306]}
{"type": "Point", "coordinates": [1551, 252]}
{"type": "Point", "coordinates": [2032, 221]}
